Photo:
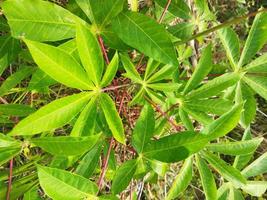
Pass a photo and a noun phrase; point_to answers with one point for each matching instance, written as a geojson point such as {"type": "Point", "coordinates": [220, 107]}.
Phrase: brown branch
{"type": "Point", "coordinates": [9, 179]}
{"type": "Point", "coordinates": [103, 49]}
{"type": "Point", "coordinates": [174, 125]}
{"type": "Point", "coordinates": [164, 11]}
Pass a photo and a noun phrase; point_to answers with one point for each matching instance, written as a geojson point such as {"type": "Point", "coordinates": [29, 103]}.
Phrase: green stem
{"type": "Point", "coordinates": [223, 25]}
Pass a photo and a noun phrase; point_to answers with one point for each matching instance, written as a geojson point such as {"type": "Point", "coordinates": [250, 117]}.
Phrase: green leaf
{"type": "Point", "coordinates": [144, 128]}
{"type": "Point", "coordinates": [245, 95]}
{"type": "Point", "coordinates": [16, 110]}
{"type": "Point", "coordinates": [39, 20]}
{"type": "Point", "coordinates": [235, 194]}
{"type": "Point", "coordinates": [182, 180]}
{"type": "Point", "coordinates": [203, 68]}
{"type": "Point", "coordinates": [236, 148]}
{"type": "Point", "coordinates": [215, 86]}
{"type": "Point", "coordinates": [59, 65]}
{"type": "Point", "coordinates": [182, 30]}
{"type": "Point", "coordinates": [151, 67]}
{"type": "Point", "coordinates": [255, 188]}
{"type": "Point", "coordinates": [242, 160]}
{"type": "Point", "coordinates": [227, 171]}
{"type": "Point", "coordinates": [14, 79]}
{"type": "Point", "coordinates": [90, 53]}
{"type": "Point", "coordinates": [146, 35]}
{"type": "Point", "coordinates": [60, 184]}
{"type": "Point", "coordinates": [40, 81]}
{"type": "Point", "coordinates": [7, 154]}
{"type": "Point", "coordinates": [89, 162]}
{"type": "Point", "coordinates": [259, 65]}
{"type": "Point", "coordinates": [165, 87]}
{"type": "Point", "coordinates": [258, 84]}
{"type": "Point", "coordinates": [9, 148]}
{"type": "Point", "coordinates": [85, 124]}
{"type": "Point", "coordinates": [112, 117]}
{"type": "Point", "coordinates": [230, 43]}
{"type": "Point", "coordinates": [256, 39]}
{"type": "Point", "coordinates": [159, 167]}
{"type": "Point", "coordinates": [66, 145]}
{"type": "Point", "coordinates": [9, 49]}
{"type": "Point", "coordinates": [101, 12]}
{"type": "Point", "coordinates": [123, 176]}
{"type": "Point", "coordinates": [52, 115]}
{"type": "Point", "coordinates": [257, 167]}
{"type": "Point", "coordinates": [176, 147]}
{"type": "Point", "coordinates": [164, 73]}
{"type": "Point", "coordinates": [185, 119]}
{"type": "Point", "coordinates": [207, 179]}
{"type": "Point", "coordinates": [110, 71]}
{"type": "Point", "coordinates": [224, 124]}
{"type": "Point", "coordinates": [202, 117]}
{"type": "Point", "coordinates": [216, 106]}
{"type": "Point", "coordinates": [178, 8]}
{"type": "Point", "coordinates": [129, 67]}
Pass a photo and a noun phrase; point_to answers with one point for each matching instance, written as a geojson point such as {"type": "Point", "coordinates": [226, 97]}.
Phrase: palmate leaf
{"type": "Point", "coordinates": [256, 39]}
{"type": "Point", "coordinates": [123, 176]}
{"type": "Point", "coordinates": [255, 188]}
{"type": "Point", "coordinates": [8, 148]}
{"type": "Point", "coordinates": [90, 53]}
{"type": "Point", "coordinates": [230, 43]}
{"type": "Point", "coordinates": [9, 49]}
{"type": "Point", "coordinates": [216, 106]}
{"type": "Point", "coordinates": [257, 167]}
{"type": "Point", "coordinates": [110, 71]}
{"type": "Point", "coordinates": [207, 179]}
{"type": "Point", "coordinates": [66, 145]}
{"type": "Point", "coordinates": [176, 147]}
{"type": "Point", "coordinates": [236, 148]}
{"type": "Point", "coordinates": [85, 124]}
{"type": "Point", "coordinates": [215, 86]}
{"type": "Point", "coordinates": [112, 117]}
{"type": "Point", "coordinates": [39, 20]}
{"type": "Point", "coordinates": [182, 180]}
{"type": "Point", "coordinates": [16, 110]}
{"type": "Point", "coordinates": [259, 65]}
{"type": "Point", "coordinates": [242, 160]}
{"type": "Point", "coordinates": [245, 95]}
{"type": "Point", "coordinates": [258, 84]}
{"type": "Point", "coordinates": [101, 12]}
{"type": "Point", "coordinates": [177, 8]}
{"type": "Point", "coordinates": [224, 124]}
{"type": "Point", "coordinates": [53, 115]}
{"type": "Point", "coordinates": [89, 162]}
{"type": "Point", "coordinates": [59, 184]}
{"type": "Point", "coordinates": [129, 67]}
{"type": "Point", "coordinates": [163, 73]}
{"type": "Point", "coordinates": [146, 35]}
{"type": "Point", "coordinates": [203, 68]}
{"type": "Point", "coordinates": [15, 78]}
{"type": "Point", "coordinates": [59, 65]}
{"type": "Point", "coordinates": [227, 171]}
{"type": "Point", "coordinates": [144, 128]}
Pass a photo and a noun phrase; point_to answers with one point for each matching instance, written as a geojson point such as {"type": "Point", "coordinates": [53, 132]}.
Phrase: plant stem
{"type": "Point", "coordinates": [223, 25]}
{"type": "Point", "coordinates": [114, 87]}
{"type": "Point", "coordinates": [174, 125]}
{"type": "Point", "coordinates": [164, 11]}
{"type": "Point", "coordinates": [9, 179]}
{"type": "Point", "coordinates": [103, 49]}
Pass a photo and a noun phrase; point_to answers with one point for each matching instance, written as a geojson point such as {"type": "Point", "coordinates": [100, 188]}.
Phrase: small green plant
{"type": "Point", "coordinates": [108, 96]}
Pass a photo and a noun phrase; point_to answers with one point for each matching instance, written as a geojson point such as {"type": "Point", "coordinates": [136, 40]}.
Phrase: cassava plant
{"type": "Point", "coordinates": [116, 99]}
